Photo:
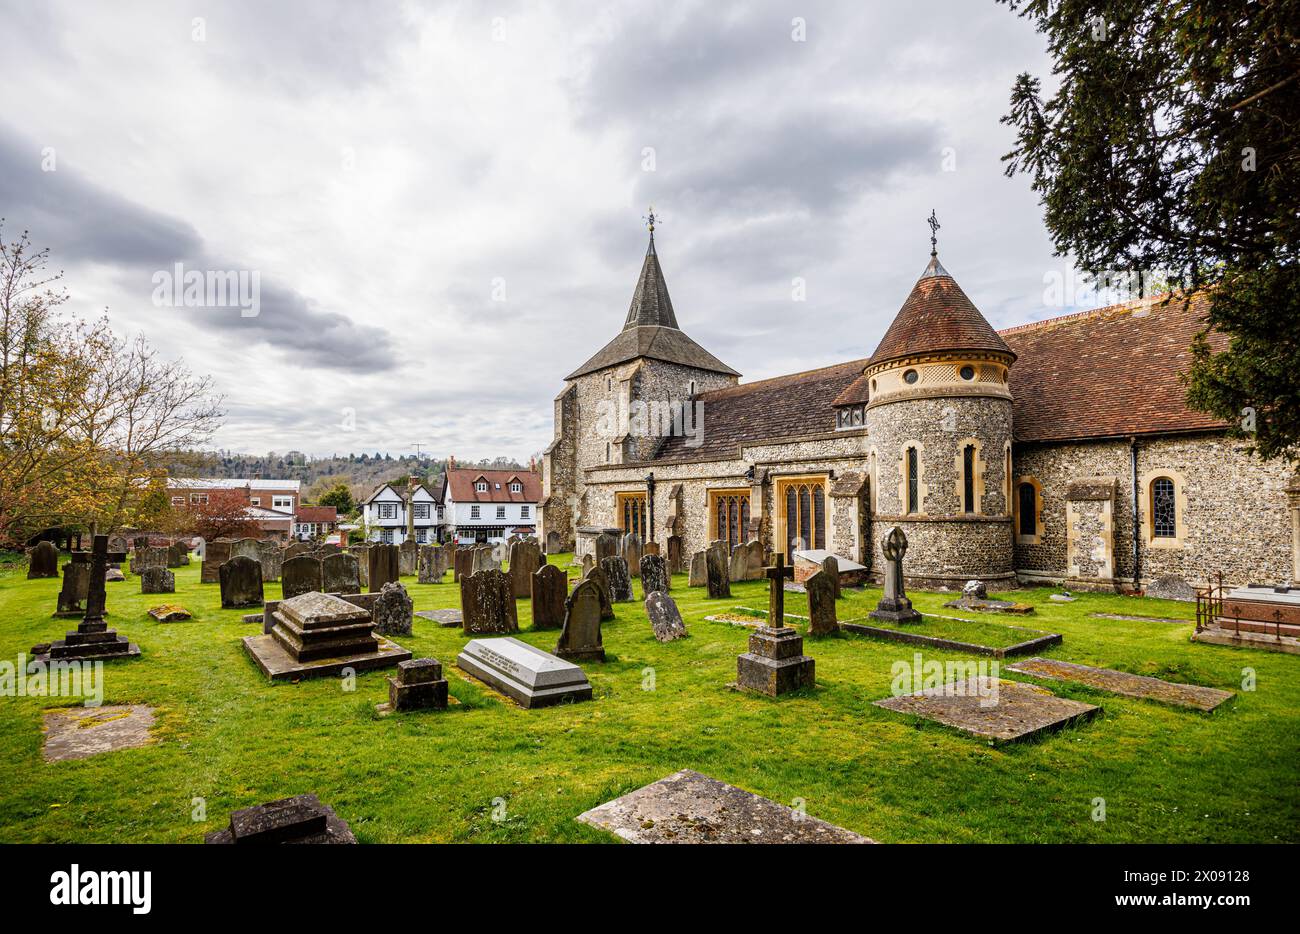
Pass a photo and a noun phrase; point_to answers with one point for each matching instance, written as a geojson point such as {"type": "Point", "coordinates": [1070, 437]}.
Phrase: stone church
{"type": "Point", "coordinates": [1057, 451]}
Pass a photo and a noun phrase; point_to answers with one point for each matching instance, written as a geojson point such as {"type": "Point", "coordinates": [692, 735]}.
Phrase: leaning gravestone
{"type": "Point", "coordinates": [271, 556]}
{"type": "Point", "coordinates": [601, 580]}
{"type": "Point", "coordinates": [665, 618]}
{"type": "Point", "coordinates": [340, 573]}
{"type": "Point", "coordinates": [525, 674]}
{"type": "Point", "coordinates": [241, 583]}
{"type": "Point", "coordinates": [831, 566]}
{"type": "Point", "coordinates": [630, 549]}
{"type": "Point", "coordinates": [429, 567]}
{"type": "Point", "coordinates": [157, 580]}
{"type": "Point", "coordinates": [620, 580]}
{"type": "Point", "coordinates": [654, 575]}
{"type": "Point", "coordinates": [699, 576]}
{"type": "Point", "coordinates": [408, 554]}
{"type": "Point", "coordinates": [580, 638]}
{"type": "Point", "coordinates": [215, 554]}
{"type": "Point", "coordinates": [821, 604]}
{"type": "Point", "coordinates": [76, 585]}
{"type": "Point", "coordinates": [549, 584]}
{"type": "Point", "coordinates": [525, 559]}
{"type": "Point", "coordinates": [302, 574]}
{"type": "Point", "coordinates": [487, 604]}
{"type": "Point", "coordinates": [385, 567]}
{"type": "Point", "coordinates": [717, 568]}
{"type": "Point", "coordinates": [393, 610]}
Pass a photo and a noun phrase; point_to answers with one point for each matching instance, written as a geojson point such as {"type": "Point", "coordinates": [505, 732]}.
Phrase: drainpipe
{"type": "Point", "coordinates": [1137, 534]}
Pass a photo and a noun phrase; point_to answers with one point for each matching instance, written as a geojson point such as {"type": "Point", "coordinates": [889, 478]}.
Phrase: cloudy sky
{"type": "Point", "coordinates": [443, 202]}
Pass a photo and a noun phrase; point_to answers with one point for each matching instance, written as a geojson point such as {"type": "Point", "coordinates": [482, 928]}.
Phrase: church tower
{"type": "Point", "coordinates": [939, 432]}
{"type": "Point", "coordinates": [612, 408]}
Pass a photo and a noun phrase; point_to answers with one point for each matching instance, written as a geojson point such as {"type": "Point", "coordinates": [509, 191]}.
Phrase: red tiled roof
{"type": "Point", "coordinates": [1109, 372]}
{"type": "Point", "coordinates": [781, 407]}
{"type": "Point", "coordinates": [461, 480]}
{"type": "Point", "coordinates": [317, 514]}
{"type": "Point", "coordinates": [937, 316]}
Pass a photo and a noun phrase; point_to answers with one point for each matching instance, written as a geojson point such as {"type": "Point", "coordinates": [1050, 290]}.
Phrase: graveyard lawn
{"type": "Point", "coordinates": [486, 770]}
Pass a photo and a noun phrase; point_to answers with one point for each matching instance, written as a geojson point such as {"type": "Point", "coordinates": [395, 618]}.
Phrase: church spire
{"type": "Point", "coordinates": [651, 306]}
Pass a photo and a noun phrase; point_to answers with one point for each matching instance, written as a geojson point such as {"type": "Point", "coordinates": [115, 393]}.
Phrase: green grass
{"type": "Point", "coordinates": [231, 739]}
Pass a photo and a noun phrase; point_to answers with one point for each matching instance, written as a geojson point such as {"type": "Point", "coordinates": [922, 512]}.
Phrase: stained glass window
{"type": "Point", "coordinates": [632, 513]}
{"type": "Point", "coordinates": [968, 477]}
{"type": "Point", "coordinates": [805, 513]}
{"type": "Point", "coordinates": [1163, 512]}
{"type": "Point", "coordinates": [731, 516]}
{"type": "Point", "coordinates": [913, 483]}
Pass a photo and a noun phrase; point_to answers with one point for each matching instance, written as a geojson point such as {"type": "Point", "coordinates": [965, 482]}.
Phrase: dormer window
{"type": "Point", "coordinates": [480, 486]}
{"type": "Point", "coordinates": [516, 487]}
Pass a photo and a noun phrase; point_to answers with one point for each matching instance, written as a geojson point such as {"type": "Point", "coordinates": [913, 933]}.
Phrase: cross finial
{"type": "Point", "coordinates": [934, 228]}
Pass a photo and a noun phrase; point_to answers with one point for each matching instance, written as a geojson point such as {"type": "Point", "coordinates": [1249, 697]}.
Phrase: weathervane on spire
{"type": "Point", "coordinates": [650, 220]}
{"type": "Point", "coordinates": [934, 228]}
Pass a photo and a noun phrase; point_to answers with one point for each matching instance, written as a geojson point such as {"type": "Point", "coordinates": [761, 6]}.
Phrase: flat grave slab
{"type": "Point", "coordinates": [1020, 711]}
{"type": "Point", "coordinates": [446, 618]}
{"type": "Point", "coordinates": [687, 807]}
{"type": "Point", "coordinates": [1142, 619]}
{"type": "Point", "coordinates": [278, 665]}
{"type": "Point", "coordinates": [525, 674]}
{"type": "Point", "coordinates": [79, 732]}
{"type": "Point", "coordinates": [1035, 640]}
{"type": "Point", "coordinates": [1194, 696]}
{"type": "Point", "coordinates": [301, 819]}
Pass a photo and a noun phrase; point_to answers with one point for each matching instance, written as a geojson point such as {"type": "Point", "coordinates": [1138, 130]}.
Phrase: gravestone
{"type": "Point", "coordinates": [654, 575]}
{"type": "Point", "coordinates": [419, 685]}
{"type": "Point", "coordinates": [775, 663]}
{"type": "Point", "coordinates": [241, 583]}
{"type": "Point", "coordinates": [525, 674]}
{"type": "Point", "coordinates": [271, 556]}
{"type": "Point", "coordinates": [487, 604]}
{"type": "Point", "coordinates": [408, 554]}
{"type": "Point", "coordinates": [118, 543]}
{"type": "Point", "coordinates": [500, 553]}
{"type": "Point", "coordinates": [200, 546]}
{"type": "Point", "coordinates": [81, 732]}
{"type": "Point", "coordinates": [327, 548]}
{"type": "Point", "coordinates": [675, 555]}
{"type": "Point", "coordinates": [699, 572]}
{"type": "Point", "coordinates": [296, 549]}
{"type": "Point", "coordinates": [606, 546]}
{"type": "Point", "coordinates": [650, 548]}
{"type": "Point", "coordinates": [385, 567]}
{"type": "Point", "coordinates": [301, 819]}
{"type": "Point", "coordinates": [462, 562]}
{"type": "Point", "coordinates": [76, 585]}
{"type": "Point", "coordinates": [157, 580]}
{"type": "Point", "coordinates": [92, 640]}
{"type": "Point", "coordinates": [429, 565]}
{"type": "Point", "coordinates": [588, 562]}
{"type": "Point", "coordinates": [247, 548]}
{"type": "Point", "coordinates": [215, 554]}
{"type": "Point", "coordinates": [484, 559]}
{"type": "Point", "coordinates": [525, 559]}
{"type": "Point", "coordinates": [894, 605]}
{"type": "Point", "coordinates": [554, 543]}
{"type": "Point", "coordinates": [180, 553]}
{"type": "Point", "coordinates": [620, 580]}
{"type": "Point", "coordinates": [831, 566]}
{"type": "Point", "coordinates": [140, 542]}
{"type": "Point", "coordinates": [151, 556]}
{"type": "Point", "coordinates": [665, 618]}
{"type": "Point", "coordinates": [302, 574]}
{"type": "Point", "coordinates": [821, 604]}
{"type": "Point", "coordinates": [114, 574]}
{"type": "Point", "coordinates": [601, 579]}
{"type": "Point", "coordinates": [362, 554]}
{"type": "Point", "coordinates": [393, 609]}
{"type": "Point", "coordinates": [580, 637]}
{"type": "Point", "coordinates": [754, 560]}
{"type": "Point", "coordinates": [549, 584]}
{"type": "Point", "coordinates": [318, 635]}
{"type": "Point", "coordinates": [738, 564]}
{"type": "Point", "coordinates": [717, 569]}
{"type": "Point", "coordinates": [340, 573]}
{"type": "Point", "coordinates": [630, 549]}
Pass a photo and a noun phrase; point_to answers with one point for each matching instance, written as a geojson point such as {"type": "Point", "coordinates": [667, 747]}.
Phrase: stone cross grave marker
{"type": "Point", "coordinates": [777, 575]}
{"type": "Point", "coordinates": [894, 605]}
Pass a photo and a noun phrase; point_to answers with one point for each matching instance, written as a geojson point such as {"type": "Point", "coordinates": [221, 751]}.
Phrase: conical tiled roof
{"type": "Point", "coordinates": [937, 317]}
{"type": "Point", "coordinates": [651, 330]}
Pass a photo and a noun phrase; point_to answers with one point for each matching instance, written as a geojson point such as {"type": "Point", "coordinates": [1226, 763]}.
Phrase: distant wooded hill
{"type": "Point", "coordinates": [361, 472]}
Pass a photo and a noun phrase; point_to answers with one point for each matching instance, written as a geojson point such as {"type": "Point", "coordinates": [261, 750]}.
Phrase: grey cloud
{"type": "Point", "coordinates": [81, 222]}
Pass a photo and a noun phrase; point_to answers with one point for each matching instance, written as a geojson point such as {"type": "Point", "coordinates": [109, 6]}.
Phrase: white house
{"type": "Point", "coordinates": [385, 514]}
{"type": "Point", "coordinates": [490, 505]}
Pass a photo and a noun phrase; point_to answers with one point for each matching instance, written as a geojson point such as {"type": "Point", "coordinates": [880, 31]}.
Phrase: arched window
{"type": "Point", "coordinates": [1164, 511]}
{"type": "Point", "coordinates": [968, 478]}
{"type": "Point", "coordinates": [913, 481]}
{"type": "Point", "coordinates": [803, 503]}
{"type": "Point", "coordinates": [1028, 509]}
